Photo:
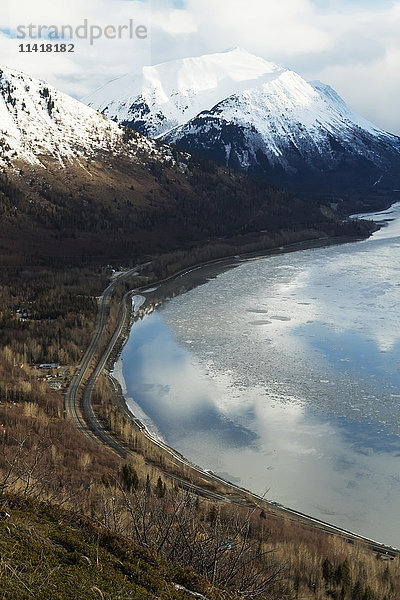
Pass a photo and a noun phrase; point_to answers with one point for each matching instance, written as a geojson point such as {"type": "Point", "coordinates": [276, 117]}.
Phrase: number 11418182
{"type": "Point", "coordinates": [46, 48]}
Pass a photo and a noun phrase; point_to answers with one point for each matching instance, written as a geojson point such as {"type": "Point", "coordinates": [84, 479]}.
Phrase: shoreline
{"type": "Point", "coordinates": [173, 285]}
{"type": "Point", "coordinates": [148, 305]}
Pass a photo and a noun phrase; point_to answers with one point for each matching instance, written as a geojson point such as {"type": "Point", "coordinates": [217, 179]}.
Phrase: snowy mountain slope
{"type": "Point", "coordinates": [37, 120]}
{"type": "Point", "coordinates": [250, 114]}
{"type": "Point", "coordinates": [287, 127]}
{"type": "Point", "coordinates": [164, 96]}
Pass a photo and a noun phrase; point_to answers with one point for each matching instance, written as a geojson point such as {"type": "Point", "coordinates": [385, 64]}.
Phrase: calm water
{"type": "Point", "coordinates": [283, 374]}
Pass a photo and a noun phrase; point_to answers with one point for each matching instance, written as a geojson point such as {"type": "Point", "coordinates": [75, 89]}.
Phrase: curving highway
{"type": "Point", "coordinates": [82, 413]}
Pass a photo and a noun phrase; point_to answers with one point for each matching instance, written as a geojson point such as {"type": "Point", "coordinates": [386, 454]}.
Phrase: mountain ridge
{"type": "Point", "coordinates": [76, 186]}
{"type": "Point", "coordinates": [183, 88]}
{"type": "Point", "coordinates": [255, 116]}
{"type": "Point", "coordinates": [37, 119]}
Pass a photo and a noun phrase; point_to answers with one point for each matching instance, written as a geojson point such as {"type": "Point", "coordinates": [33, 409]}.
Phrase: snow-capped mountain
{"type": "Point", "coordinates": [251, 114]}
{"type": "Point", "coordinates": [165, 96]}
{"type": "Point", "coordinates": [37, 121]}
{"type": "Point", "coordinates": [77, 187]}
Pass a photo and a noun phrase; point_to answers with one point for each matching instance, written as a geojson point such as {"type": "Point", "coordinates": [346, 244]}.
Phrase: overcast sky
{"type": "Point", "coordinates": [354, 45]}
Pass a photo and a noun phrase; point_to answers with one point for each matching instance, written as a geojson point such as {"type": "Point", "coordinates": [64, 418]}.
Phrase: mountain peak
{"type": "Point", "coordinates": [251, 114]}
{"type": "Point", "coordinates": [169, 94]}
{"type": "Point", "coordinates": [236, 50]}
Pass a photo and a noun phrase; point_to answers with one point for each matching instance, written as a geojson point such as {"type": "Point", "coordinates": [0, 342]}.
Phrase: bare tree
{"type": "Point", "coordinates": [219, 544]}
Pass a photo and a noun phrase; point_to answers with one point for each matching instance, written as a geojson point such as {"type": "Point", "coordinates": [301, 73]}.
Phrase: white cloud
{"type": "Point", "coordinates": [352, 45]}
{"type": "Point", "coordinates": [90, 65]}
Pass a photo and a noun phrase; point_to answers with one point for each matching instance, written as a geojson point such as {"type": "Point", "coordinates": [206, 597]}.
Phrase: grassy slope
{"type": "Point", "coordinates": [57, 463]}
{"type": "Point", "coordinates": [48, 553]}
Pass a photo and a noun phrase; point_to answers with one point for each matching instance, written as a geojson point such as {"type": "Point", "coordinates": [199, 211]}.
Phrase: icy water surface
{"type": "Point", "coordinates": [283, 374]}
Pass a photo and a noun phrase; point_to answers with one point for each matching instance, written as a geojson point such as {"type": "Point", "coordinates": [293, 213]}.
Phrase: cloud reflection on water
{"type": "Point", "coordinates": [283, 374]}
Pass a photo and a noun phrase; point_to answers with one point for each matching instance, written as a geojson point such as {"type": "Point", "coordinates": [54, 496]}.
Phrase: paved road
{"type": "Point", "coordinates": [82, 413]}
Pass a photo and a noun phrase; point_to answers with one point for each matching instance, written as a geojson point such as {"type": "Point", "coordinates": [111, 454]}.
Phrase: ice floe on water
{"type": "Point", "coordinates": [332, 314]}
{"type": "Point", "coordinates": [137, 302]}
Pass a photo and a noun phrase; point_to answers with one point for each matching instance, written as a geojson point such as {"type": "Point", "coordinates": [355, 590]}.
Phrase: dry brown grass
{"type": "Point", "coordinates": [57, 463]}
